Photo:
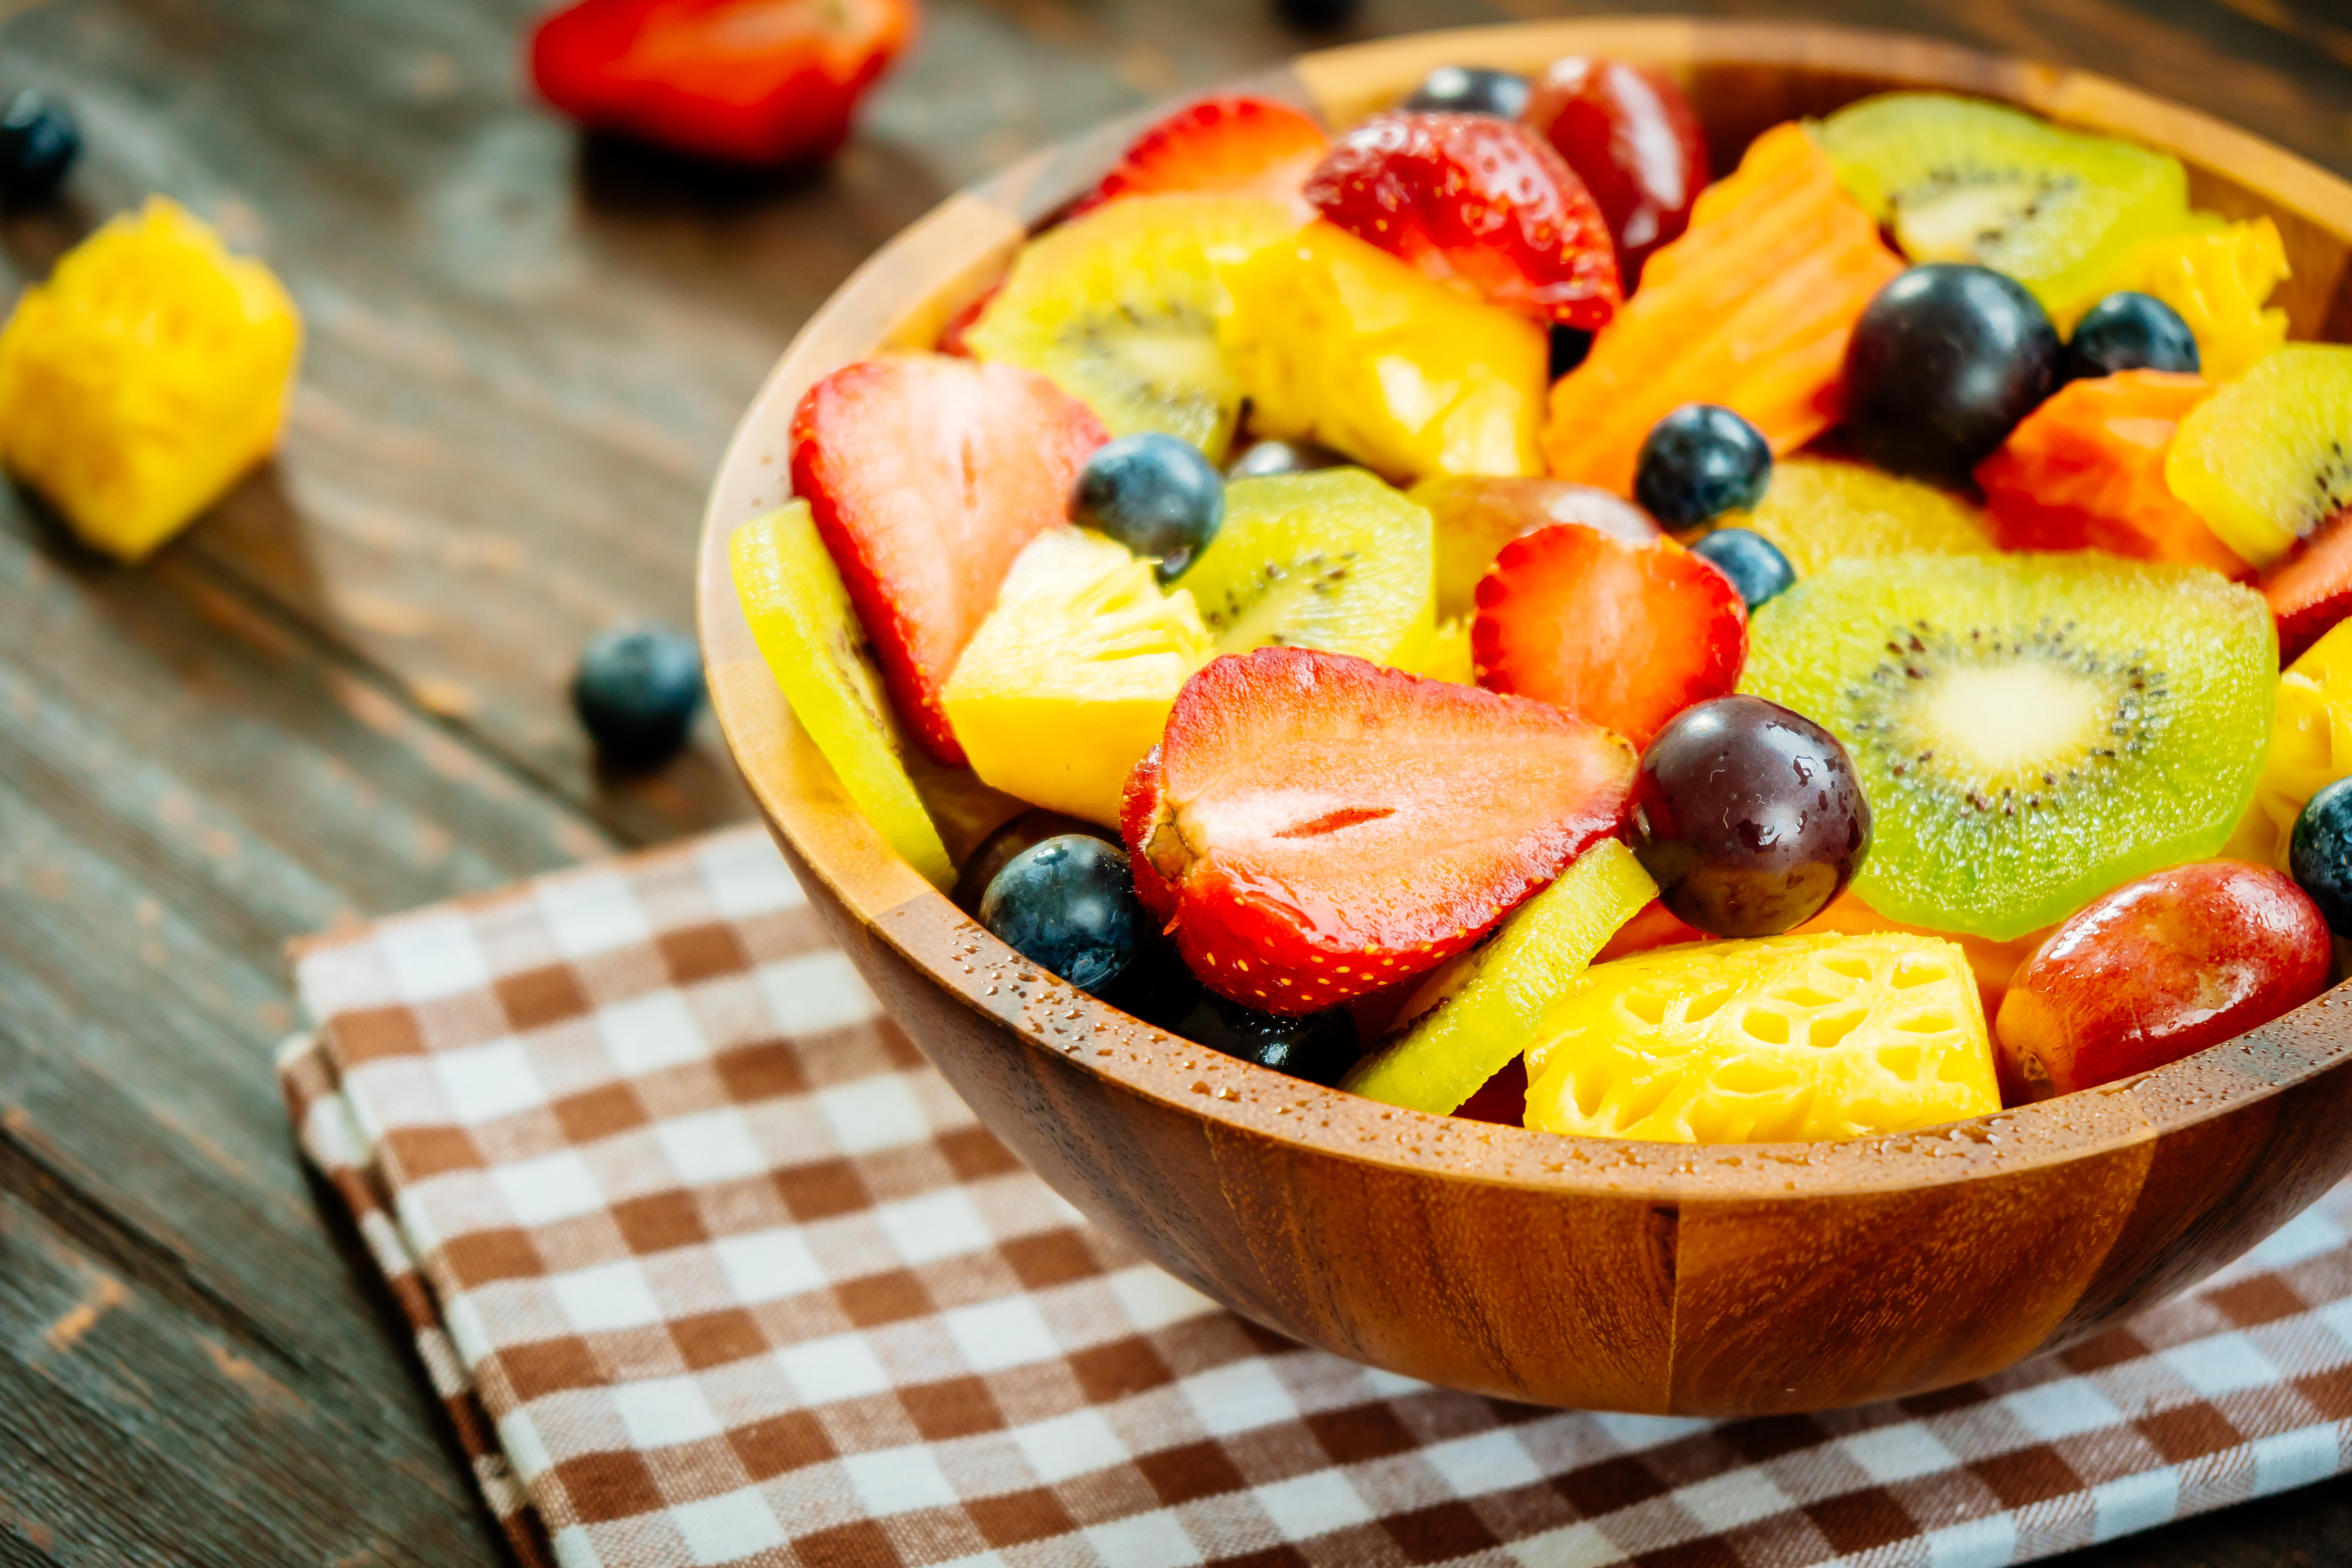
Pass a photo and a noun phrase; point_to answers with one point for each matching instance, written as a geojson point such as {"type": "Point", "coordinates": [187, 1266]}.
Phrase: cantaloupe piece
{"type": "Point", "coordinates": [1751, 309]}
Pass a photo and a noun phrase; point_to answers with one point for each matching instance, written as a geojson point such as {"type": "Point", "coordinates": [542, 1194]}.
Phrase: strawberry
{"type": "Point", "coordinates": [926, 476]}
{"type": "Point", "coordinates": [2311, 590]}
{"type": "Point", "coordinates": [1478, 200]}
{"type": "Point", "coordinates": [1231, 146]}
{"type": "Point", "coordinates": [1312, 827]}
{"type": "Point", "coordinates": [1626, 635]}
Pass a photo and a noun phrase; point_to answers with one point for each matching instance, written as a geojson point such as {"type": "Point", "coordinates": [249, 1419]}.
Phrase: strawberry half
{"type": "Point", "coordinates": [1313, 826]}
{"type": "Point", "coordinates": [1626, 635]}
{"type": "Point", "coordinates": [926, 475]}
{"type": "Point", "coordinates": [1231, 146]}
{"type": "Point", "coordinates": [2311, 590]}
{"type": "Point", "coordinates": [1476, 199]}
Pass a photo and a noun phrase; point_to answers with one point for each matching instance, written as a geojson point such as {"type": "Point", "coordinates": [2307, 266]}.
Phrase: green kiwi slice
{"type": "Point", "coordinates": [2030, 731]}
{"type": "Point", "coordinates": [1334, 559]}
{"type": "Point", "coordinates": [1961, 180]}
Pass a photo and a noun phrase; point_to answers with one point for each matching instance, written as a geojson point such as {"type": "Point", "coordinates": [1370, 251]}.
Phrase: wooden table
{"type": "Point", "coordinates": [341, 693]}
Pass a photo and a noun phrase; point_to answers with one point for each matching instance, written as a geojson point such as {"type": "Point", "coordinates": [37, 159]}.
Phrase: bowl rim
{"type": "Point", "coordinates": [903, 293]}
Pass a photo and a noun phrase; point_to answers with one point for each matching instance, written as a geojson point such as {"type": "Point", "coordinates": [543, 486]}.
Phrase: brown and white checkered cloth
{"type": "Point", "coordinates": [712, 1268]}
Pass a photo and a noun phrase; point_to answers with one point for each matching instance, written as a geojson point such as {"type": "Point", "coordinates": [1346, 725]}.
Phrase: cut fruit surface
{"type": "Point", "coordinates": [801, 617]}
{"type": "Point", "coordinates": [1232, 146]}
{"type": "Point", "coordinates": [1818, 509]}
{"type": "Point", "coordinates": [2086, 471]}
{"type": "Point", "coordinates": [1487, 1013]}
{"type": "Point", "coordinates": [1069, 681]}
{"type": "Point", "coordinates": [1476, 517]}
{"type": "Point", "coordinates": [2218, 277]}
{"type": "Point", "coordinates": [1959, 179]}
{"type": "Point", "coordinates": [1337, 341]}
{"type": "Point", "coordinates": [1992, 962]}
{"type": "Point", "coordinates": [926, 475]}
{"type": "Point", "coordinates": [2267, 460]}
{"type": "Point", "coordinates": [1120, 309]}
{"type": "Point", "coordinates": [1751, 309]}
{"type": "Point", "coordinates": [2030, 731]}
{"type": "Point", "coordinates": [2310, 592]}
{"type": "Point", "coordinates": [1313, 828]}
{"type": "Point", "coordinates": [1332, 560]}
{"type": "Point", "coordinates": [2311, 747]}
{"type": "Point", "coordinates": [1778, 1039]}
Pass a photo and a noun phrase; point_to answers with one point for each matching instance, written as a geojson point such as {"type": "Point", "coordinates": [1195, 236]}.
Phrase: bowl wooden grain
{"type": "Point", "coordinates": [1714, 1281]}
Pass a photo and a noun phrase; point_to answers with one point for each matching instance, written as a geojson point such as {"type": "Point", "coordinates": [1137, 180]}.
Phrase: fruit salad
{"type": "Point", "coordinates": [1482, 598]}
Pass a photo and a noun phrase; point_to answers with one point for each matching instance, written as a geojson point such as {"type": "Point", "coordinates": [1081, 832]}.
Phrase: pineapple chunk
{"type": "Point", "coordinates": [1069, 681]}
{"type": "Point", "coordinates": [144, 377]}
{"type": "Point", "coordinates": [1336, 341]}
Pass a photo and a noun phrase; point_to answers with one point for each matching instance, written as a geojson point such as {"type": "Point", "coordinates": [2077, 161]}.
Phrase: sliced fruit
{"type": "Point", "coordinates": [2030, 731]}
{"type": "Point", "coordinates": [1337, 341]}
{"type": "Point", "coordinates": [1477, 201]}
{"type": "Point", "coordinates": [1475, 517]}
{"type": "Point", "coordinates": [1069, 681]}
{"type": "Point", "coordinates": [1635, 140]}
{"type": "Point", "coordinates": [1488, 1012]}
{"type": "Point", "coordinates": [1957, 179]}
{"type": "Point", "coordinates": [2311, 747]}
{"type": "Point", "coordinates": [1332, 560]}
{"type": "Point", "coordinates": [1232, 146]}
{"type": "Point", "coordinates": [1120, 309]}
{"type": "Point", "coordinates": [2086, 471]}
{"type": "Point", "coordinates": [1781, 1039]}
{"type": "Point", "coordinates": [1626, 635]}
{"type": "Point", "coordinates": [1315, 827]}
{"type": "Point", "coordinates": [801, 617]}
{"type": "Point", "coordinates": [1992, 962]}
{"type": "Point", "coordinates": [1653, 926]}
{"type": "Point", "coordinates": [1818, 510]}
{"type": "Point", "coordinates": [1444, 654]}
{"type": "Point", "coordinates": [2311, 590]}
{"type": "Point", "coordinates": [1751, 309]}
{"type": "Point", "coordinates": [2218, 277]}
{"type": "Point", "coordinates": [926, 475]}
{"type": "Point", "coordinates": [2268, 459]}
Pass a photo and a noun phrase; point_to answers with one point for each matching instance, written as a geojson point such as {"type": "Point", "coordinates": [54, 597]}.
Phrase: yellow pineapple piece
{"type": "Point", "coordinates": [2218, 277]}
{"type": "Point", "coordinates": [810, 636]}
{"type": "Point", "coordinates": [1440, 650]}
{"type": "Point", "coordinates": [2311, 747]}
{"type": "Point", "coordinates": [1336, 341]}
{"type": "Point", "coordinates": [1819, 511]}
{"type": "Point", "coordinates": [1069, 681]}
{"type": "Point", "coordinates": [1778, 1039]}
{"type": "Point", "coordinates": [144, 377]}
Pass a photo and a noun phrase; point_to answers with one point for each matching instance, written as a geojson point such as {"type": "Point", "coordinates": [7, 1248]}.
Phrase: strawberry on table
{"type": "Point", "coordinates": [1626, 635]}
{"type": "Point", "coordinates": [1483, 201]}
{"type": "Point", "coordinates": [1234, 145]}
{"type": "Point", "coordinates": [1312, 827]}
{"type": "Point", "coordinates": [926, 475]}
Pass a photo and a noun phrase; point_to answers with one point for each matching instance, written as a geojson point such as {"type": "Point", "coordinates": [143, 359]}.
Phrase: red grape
{"type": "Point", "coordinates": [1634, 138]}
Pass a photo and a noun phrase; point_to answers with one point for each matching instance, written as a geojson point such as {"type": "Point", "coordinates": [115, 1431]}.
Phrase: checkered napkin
{"type": "Point", "coordinates": [710, 1267]}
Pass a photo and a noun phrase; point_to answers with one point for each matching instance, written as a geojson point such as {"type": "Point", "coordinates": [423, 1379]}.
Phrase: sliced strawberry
{"type": "Point", "coordinates": [2311, 590]}
{"type": "Point", "coordinates": [1477, 199]}
{"type": "Point", "coordinates": [1312, 827]}
{"type": "Point", "coordinates": [1231, 146]}
{"type": "Point", "coordinates": [926, 475]}
{"type": "Point", "coordinates": [1626, 635]}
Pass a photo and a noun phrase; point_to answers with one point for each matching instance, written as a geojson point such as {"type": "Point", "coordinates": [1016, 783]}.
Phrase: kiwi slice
{"type": "Point", "coordinates": [2030, 730]}
{"type": "Point", "coordinates": [1333, 560]}
{"type": "Point", "coordinates": [1120, 307]}
{"type": "Point", "coordinates": [1959, 179]}
{"type": "Point", "coordinates": [2268, 458]}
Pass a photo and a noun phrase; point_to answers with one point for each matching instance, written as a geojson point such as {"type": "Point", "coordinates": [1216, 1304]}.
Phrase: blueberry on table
{"type": "Point", "coordinates": [1701, 461]}
{"type": "Point", "coordinates": [1753, 562]}
{"type": "Point", "coordinates": [2319, 854]}
{"type": "Point", "coordinates": [1068, 905]}
{"type": "Point", "coordinates": [38, 141]}
{"type": "Point", "coordinates": [636, 691]}
{"type": "Point", "coordinates": [1469, 89]}
{"type": "Point", "coordinates": [1156, 495]}
{"type": "Point", "coordinates": [2128, 330]}
{"type": "Point", "coordinates": [1943, 363]}
{"type": "Point", "coordinates": [1748, 816]}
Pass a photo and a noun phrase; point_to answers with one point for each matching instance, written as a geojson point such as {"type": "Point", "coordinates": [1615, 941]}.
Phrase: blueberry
{"type": "Point", "coordinates": [1569, 347]}
{"type": "Point", "coordinates": [1156, 495]}
{"type": "Point", "coordinates": [1262, 458]}
{"type": "Point", "coordinates": [38, 141]}
{"type": "Point", "coordinates": [2130, 331]}
{"type": "Point", "coordinates": [2319, 854]}
{"type": "Point", "coordinates": [1317, 14]}
{"type": "Point", "coordinates": [1026, 831]}
{"type": "Point", "coordinates": [1753, 562]}
{"type": "Point", "coordinates": [1469, 89]}
{"type": "Point", "coordinates": [636, 691]}
{"type": "Point", "coordinates": [1943, 363]}
{"type": "Point", "coordinates": [1701, 461]}
{"type": "Point", "coordinates": [1068, 905]}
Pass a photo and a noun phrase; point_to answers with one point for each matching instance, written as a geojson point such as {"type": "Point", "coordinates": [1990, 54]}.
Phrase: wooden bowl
{"type": "Point", "coordinates": [1716, 1280]}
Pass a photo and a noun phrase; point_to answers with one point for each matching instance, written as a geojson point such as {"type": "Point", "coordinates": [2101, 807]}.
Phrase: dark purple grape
{"type": "Point", "coordinates": [1943, 363]}
{"type": "Point", "coordinates": [1748, 816]}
